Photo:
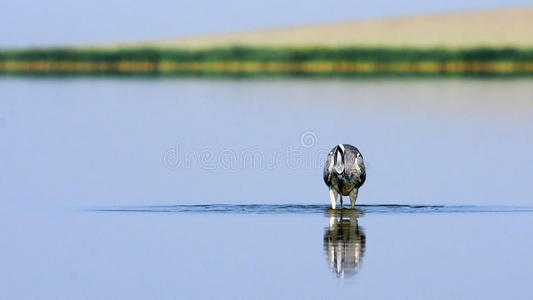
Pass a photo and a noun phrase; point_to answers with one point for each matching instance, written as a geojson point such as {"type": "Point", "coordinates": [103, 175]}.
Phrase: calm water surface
{"type": "Point", "coordinates": [199, 189]}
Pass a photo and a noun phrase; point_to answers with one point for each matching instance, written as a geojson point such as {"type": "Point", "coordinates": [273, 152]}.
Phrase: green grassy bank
{"type": "Point", "coordinates": [251, 61]}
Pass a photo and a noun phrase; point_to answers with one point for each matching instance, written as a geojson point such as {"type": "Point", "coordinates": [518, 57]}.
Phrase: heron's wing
{"type": "Point", "coordinates": [362, 169]}
{"type": "Point", "coordinates": [327, 169]}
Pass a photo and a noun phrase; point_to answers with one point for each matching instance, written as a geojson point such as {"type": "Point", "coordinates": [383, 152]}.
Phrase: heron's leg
{"type": "Point", "coordinates": [340, 194]}
{"type": "Point", "coordinates": [353, 197]}
{"type": "Point", "coordinates": [333, 197]}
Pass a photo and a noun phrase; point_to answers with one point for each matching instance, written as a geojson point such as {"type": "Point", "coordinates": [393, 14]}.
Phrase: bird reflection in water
{"type": "Point", "coordinates": [344, 242]}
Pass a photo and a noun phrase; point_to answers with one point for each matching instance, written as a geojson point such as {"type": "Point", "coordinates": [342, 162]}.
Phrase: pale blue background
{"type": "Point", "coordinates": [69, 144]}
{"type": "Point", "coordinates": [89, 142]}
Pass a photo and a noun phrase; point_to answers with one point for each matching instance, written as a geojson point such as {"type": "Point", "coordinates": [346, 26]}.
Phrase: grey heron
{"type": "Point", "coordinates": [344, 173]}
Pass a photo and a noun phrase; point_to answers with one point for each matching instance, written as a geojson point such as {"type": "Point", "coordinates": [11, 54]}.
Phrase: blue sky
{"type": "Point", "coordinates": [55, 22]}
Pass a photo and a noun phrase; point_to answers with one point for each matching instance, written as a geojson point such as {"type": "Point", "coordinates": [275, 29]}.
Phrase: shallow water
{"type": "Point", "coordinates": [200, 189]}
{"type": "Point", "coordinates": [147, 255]}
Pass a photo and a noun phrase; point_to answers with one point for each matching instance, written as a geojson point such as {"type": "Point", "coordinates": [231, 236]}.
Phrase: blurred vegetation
{"type": "Point", "coordinates": [254, 61]}
{"type": "Point", "coordinates": [271, 54]}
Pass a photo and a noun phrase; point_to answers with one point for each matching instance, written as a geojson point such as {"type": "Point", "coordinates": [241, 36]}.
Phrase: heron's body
{"type": "Point", "coordinates": [344, 173]}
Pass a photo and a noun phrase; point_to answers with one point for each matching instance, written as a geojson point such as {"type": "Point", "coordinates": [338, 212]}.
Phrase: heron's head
{"type": "Point", "coordinates": [338, 159]}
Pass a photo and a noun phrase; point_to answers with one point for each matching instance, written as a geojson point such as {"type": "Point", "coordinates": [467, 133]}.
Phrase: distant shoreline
{"type": "Point", "coordinates": [253, 61]}
{"type": "Point", "coordinates": [486, 43]}
{"type": "Point", "coordinates": [492, 28]}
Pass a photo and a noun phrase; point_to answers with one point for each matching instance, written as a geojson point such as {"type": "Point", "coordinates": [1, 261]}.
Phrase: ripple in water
{"type": "Point", "coordinates": [312, 209]}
